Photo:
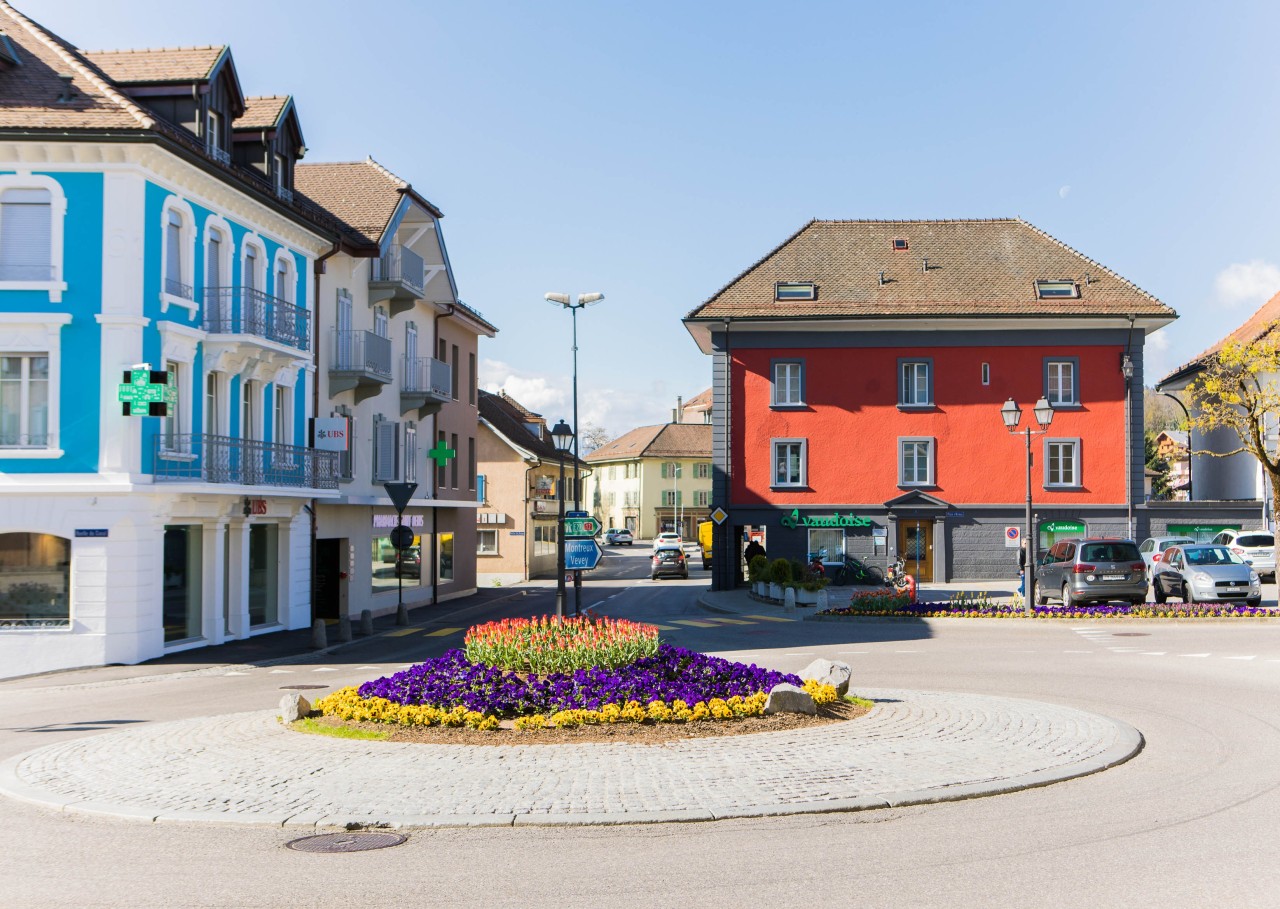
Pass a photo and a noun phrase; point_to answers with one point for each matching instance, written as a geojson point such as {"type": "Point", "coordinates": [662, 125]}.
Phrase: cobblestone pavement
{"type": "Point", "coordinates": [246, 768]}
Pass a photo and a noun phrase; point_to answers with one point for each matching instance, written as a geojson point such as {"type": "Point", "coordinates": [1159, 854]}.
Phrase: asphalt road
{"type": "Point", "coordinates": [1192, 821]}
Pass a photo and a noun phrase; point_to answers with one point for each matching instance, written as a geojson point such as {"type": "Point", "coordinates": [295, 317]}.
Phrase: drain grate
{"type": "Point", "coordinates": [346, 842]}
{"type": "Point", "coordinates": [301, 687]}
{"type": "Point", "coordinates": [1130, 634]}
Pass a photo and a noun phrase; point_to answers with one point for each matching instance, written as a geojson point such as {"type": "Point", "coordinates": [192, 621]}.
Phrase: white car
{"type": "Point", "coordinates": [618, 536]}
{"type": "Point", "coordinates": [1258, 547]}
{"type": "Point", "coordinates": [1152, 549]}
{"type": "Point", "coordinates": [667, 539]}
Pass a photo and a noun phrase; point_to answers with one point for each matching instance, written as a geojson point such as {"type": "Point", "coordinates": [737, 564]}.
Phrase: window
{"type": "Point", "coordinates": [453, 462]}
{"type": "Point", "coordinates": [35, 580]}
{"type": "Point", "coordinates": [26, 235]}
{"type": "Point", "coordinates": [380, 323]}
{"type": "Point", "coordinates": [250, 418]}
{"type": "Point", "coordinates": [1062, 462]}
{"type": "Point", "coordinates": [826, 543]}
{"type": "Point", "coordinates": [915, 383]}
{"type": "Point", "coordinates": [1062, 382]}
{"type": "Point", "coordinates": [670, 470]}
{"type": "Point", "coordinates": [454, 366]}
{"type": "Point", "coordinates": [282, 417]}
{"type": "Point", "coordinates": [386, 453]}
{"type": "Point", "coordinates": [213, 133]}
{"type": "Point", "coordinates": [24, 401]}
{"type": "Point", "coordinates": [480, 488]}
{"type": "Point", "coordinates": [899, 244]}
{"type": "Point", "coordinates": [172, 439]}
{"type": "Point", "coordinates": [795, 290]}
{"type": "Point", "coordinates": [788, 383]}
{"type": "Point", "coordinates": [217, 311]}
{"type": "Point", "coordinates": [670, 498]}
{"type": "Point", "coordinates": [446, 557]}
{"type": "Point", "coordinates": [174, 265]}
{"type": "Point", "coordinates": [264, 579]}
{"type": "Point", "coordinates": [544, 540]}
{"type": "Point", "coordinates": [789, 462]}
{"type": "Point", "coordinates": [471, 378]}
{"type": "Point", "coordinates": [282, 181]}
{"type": "Point", "coordinates": [471, 463]}
{"type": "Point", "coordinates": [701, 470]}
{"type": "Point", "coordinates": [1051, 290]}
{"type": "Point", "coordinates": [214, 422]}
{"type": "Point", "coordinates": [251, 269]}
{"type": "Point", "coordinates": [284, 278]}
{"type": "Point", "coordinates": [410, 453]}
{"type": "Point", "coordinates": [701, 498]}
{"type": "Point", "coordinates": [182, 582]}
{"type": "Point", "coordinates": [986, 373]}
{"type": "Point", "coordinates": [486, 542]}
{"type": "Point", "coordinates": [915, 462]}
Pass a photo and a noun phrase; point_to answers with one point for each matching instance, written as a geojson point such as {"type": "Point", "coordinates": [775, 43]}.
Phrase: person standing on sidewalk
{"type": "Point", "coordinates": [1022, 569]}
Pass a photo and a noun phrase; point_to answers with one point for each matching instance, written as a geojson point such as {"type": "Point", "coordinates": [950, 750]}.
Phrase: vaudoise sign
{"type": "Point", "coordinates": [796, 519]}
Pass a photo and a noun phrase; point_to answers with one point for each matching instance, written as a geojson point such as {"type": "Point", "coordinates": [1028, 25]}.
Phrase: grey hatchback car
{"type": "Point", "coordinates": [1092, 570]}
{"type": "Point", "coordinates": [1205, 573]}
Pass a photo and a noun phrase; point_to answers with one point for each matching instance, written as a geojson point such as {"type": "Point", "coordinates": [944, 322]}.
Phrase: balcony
{"type": "Point", "coordinates": [203, 458]}
{"type": "Point", "coordinates": [221, 155]}
{"type": "Point", "coordinates": [426, 387]}
{"type": "Point", "coordinates": [361, 363]}
{"type": "Point", "coordinates": [398, 278]}
{"type": "Point", "coordinates": [249, 312]}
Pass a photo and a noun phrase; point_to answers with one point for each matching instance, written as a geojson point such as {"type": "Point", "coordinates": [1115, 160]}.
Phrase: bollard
{"type": "Point", "coordinates": [789, 599]}
{"type": "Point", "coordinates": [366, 621]}
{"type": "Point", "coordinates": [402, 615]}
{"type": "Point", "coordinates": [344, 629]}
{"type": "Point", "coordinates": [824, 601]}
{"type": "Point", "coordinates": [318, 637]}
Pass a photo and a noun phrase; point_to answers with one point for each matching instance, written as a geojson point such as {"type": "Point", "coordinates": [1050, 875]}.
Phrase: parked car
{"type": "Point", "coordinates": [667, 539]}
{"type": "Point", "coordinates": [1095, 569]}
{"type": "Point", "coordinates": [1256, 546]}
{"type": "Point", "coordinates": [1205, 573]}
{"type": "Point", "coordinates": [410, 563]}
{"type": "Point", "coordinates": [1152, 547]}
{"type": "Point", "coordinates": [669, 561]}
{"type": "Point", "coordinates": [618, 536]}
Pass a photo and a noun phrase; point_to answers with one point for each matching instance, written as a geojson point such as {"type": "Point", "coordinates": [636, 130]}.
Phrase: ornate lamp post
{"type": "Point", "coordinates": [1175, 399]}
{"type": "Point", "coordinates": [562, 436]}
{"type": "Point", "coordinates": [1011, 413]}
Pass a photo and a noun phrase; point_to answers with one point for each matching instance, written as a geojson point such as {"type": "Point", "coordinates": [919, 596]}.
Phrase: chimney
{"type": "Point", "coordinates": [679, 408]}
{"type": "Point", "coordinates": [673, 415]}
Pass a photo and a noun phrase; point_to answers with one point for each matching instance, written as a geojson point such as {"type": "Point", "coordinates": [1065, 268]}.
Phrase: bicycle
{"type": "Point", "coordinates": [897, 576]}
{"type": "Point", "coordinates": [856, 572]}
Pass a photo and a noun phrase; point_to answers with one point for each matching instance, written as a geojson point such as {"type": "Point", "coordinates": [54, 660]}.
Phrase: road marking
{"type": "Point", "coordinates": [694, 623]}
{"type": "Point", "coordinates": [729, 621]}
{"type": "Point", "coordinates": [280, 671]}
{"type": "Point", "coordinates": [235, 673]}
{"type": "Point", "coordinates": [1077, 651]}
{"type": "Point", "coordinates": [1243, 658]}
{"type": "Point", "coordinates": [769, 618]}
{"type": "Point", "coordinates": [324, 669]}
{"type": "Point", "coordinates": [401, 632]}
{"type": "Point", "coordinates": [1194, 654]}
{"type": "Point", "coordinates": [1153, 653]}
{"type": "Point", "coordinates": [664, 627]}
{"type": "Point", "coordinates": [358, 668]}
{"type": "Point", "coordinates": [443, 632]}
{"type": "Point", "coordinates": [850, 652]}
{"type": "Point", "coordinates": [798, 654]}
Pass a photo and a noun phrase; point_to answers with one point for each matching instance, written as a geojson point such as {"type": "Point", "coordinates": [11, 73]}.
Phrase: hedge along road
{"type": "Point", "coordinates": [1190, 815]}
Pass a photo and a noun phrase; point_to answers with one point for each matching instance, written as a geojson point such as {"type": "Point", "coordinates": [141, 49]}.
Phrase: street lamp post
{"type": "Point", "coordinates": [1011, 413]}
{"type": "Point", "coordinates": [1186, 413]}
{"type": "Point", "coordinates": [562, 436]}
{"type": "Point", "coordinates": [566, 301]}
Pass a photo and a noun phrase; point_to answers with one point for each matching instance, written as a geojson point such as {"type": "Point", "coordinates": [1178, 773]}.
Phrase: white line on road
{"type": "Point", "coordinates": [280, 671]}
{"type": "Point", "coordinates": [1194, 654]}
{"type": "Point", "coordinates": [235, 673]}
{"type": "Point", "coordinates": [1154, 653]}
{"type": "Point", "coordinates": [1254, 657]}
{"type": "Point", "coordinates": [324, 669]}
{"type": "Point", "coordinates": [1077, 651]}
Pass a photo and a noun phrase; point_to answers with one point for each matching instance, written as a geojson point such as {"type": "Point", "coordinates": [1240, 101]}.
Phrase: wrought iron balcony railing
{"type": "Point", "coordinates": [176, 288]}
{"type": "Point", "coordinates": [357, 350]}
{"type": "Point", "coordinates": [220, 155]}
{"type": "Point", "coordinates": [401, 264]}
{"type": "Point", "coordinates": [247, 462]}
{"type": "Point", "coordinates": [245, 310]}
{"type": "Point", "coordinates": [427, 375]}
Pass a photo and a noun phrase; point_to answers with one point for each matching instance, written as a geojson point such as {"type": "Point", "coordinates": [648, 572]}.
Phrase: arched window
{"type": "Point", "coordinates": [35, 580]}
{"type": "Point", "coordinates": [178, 239]}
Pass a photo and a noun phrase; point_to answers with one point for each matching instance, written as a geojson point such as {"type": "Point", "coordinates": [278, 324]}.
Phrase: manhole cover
{"type": "Point", "coordinates": [301, 687]}
{"type": "Point", "coordinates": [1130, 634]}
{"type": "Point", "coordinates": [346, 842]}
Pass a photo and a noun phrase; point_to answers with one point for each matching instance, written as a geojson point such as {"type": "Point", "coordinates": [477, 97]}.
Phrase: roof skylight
{"type": "Point", "coordinates": [795, 290]}
{"type": "Point", "coordinates": [1053, 290]}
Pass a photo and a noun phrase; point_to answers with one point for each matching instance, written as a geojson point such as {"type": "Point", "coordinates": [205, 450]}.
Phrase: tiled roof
{"type": "Point", "coordinates": [262, 113]}
{"type": "Point", "coordinates": [508, 416]}
{"type": "Point", "coordinates": [669, 440]}
{"type": "Point", "coordinates": [362, 194]}
{"type": "Point", "coordinates": [1256, 326]}
{"type": "Point", "coordinates": [976, 267]}
{"type": "Point", "coordinates": [700, 401]}
{"type": "Point", "coordinates": [148, 66]}
{"type": "Point", "coordinates": [29, 93]}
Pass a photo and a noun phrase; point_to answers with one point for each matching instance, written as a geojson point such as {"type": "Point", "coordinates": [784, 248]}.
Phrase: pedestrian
{"type": "Point", "coordinates": [753, 549]}
{"type": "Point", "coordinates": [1022, 569]}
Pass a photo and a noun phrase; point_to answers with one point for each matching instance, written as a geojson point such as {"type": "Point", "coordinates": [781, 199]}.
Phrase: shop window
{"type": "Point", "coordinates": [446, 557]}
{"type": "Point", "coordinates": [826, 543]}
{"type": "Point", "coordinates": [35, 580]}
{"type": "Point", "coordinates": [182, 582]}
{"type": "Point", "coordinates": [264, 574]}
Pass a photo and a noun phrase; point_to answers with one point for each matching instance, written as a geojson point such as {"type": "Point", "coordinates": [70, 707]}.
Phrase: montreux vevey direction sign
{"type": "Point", "coordinates": [796, 519]}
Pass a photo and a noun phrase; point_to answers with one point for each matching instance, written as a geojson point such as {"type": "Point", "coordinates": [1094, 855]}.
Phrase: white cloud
{"type": "Point", "coordinates": [1064, 191]}
{"type": "Point", "coordinates": [1246, 282]}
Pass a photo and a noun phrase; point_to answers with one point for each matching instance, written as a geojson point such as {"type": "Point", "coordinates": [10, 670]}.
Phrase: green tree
{"type": "Point", "coordinates": [1159, 483]}
{"type": "Point", "coordinates": [1237, 390]}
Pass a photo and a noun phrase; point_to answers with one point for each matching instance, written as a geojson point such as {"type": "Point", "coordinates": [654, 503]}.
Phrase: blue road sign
{"type": "Point", "coordinates": [581, 554]}
{"type": "Point", "coordinates": [577, 514]}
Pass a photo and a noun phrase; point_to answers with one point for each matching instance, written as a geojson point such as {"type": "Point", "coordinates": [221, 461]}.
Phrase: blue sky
{"type": "Point", "coordinates": [653, 151]}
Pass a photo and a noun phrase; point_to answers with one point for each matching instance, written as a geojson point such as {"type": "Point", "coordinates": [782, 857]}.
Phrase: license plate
{"type": "Point", "coordinates": [1235, 590]}
{"type": "Point", "coordinates": [1113, 577]}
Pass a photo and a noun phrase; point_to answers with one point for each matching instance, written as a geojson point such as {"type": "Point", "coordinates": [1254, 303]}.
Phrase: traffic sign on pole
{"type": "Point", "coordinates": [580, 527]}
{"type": "Point", "coordinates": [401, 536]}
{"type": "Point", "coordinates": [577, 514]}
{"type": "Point", "coordinates": [400, 494]}
{"type": "Point", "coordinates": [582, 554]}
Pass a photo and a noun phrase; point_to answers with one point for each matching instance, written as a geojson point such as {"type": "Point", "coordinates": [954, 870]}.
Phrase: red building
{"type": "Point", "coordinates": [859, 373]}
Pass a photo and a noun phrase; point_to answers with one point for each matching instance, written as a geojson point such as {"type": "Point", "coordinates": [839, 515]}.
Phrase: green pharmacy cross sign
{"type": "Point", "coordinates": [796, 519]}
{"type": "Point", "coordinates": [147, 392]}
{"type": "Point", "coordinates": [441, 454]}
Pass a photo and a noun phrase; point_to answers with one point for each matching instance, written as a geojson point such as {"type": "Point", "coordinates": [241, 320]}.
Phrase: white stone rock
{"type": "Point", "coordinates": [294, 707]}
{"type": "Point", "coordinates": [830, 672]}
{"type": "Point", "coordinates": [786, 698]}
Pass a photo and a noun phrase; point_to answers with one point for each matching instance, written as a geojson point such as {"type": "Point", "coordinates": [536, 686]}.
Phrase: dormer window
{"type": "Point", "coordinates": [1055, 290]}
{"type": "Point", "coordinates": [899, 244]}
{"type": "Point", "coordinates": [213, 137]}
{"type": "Point", "coordinates": [795, 290]}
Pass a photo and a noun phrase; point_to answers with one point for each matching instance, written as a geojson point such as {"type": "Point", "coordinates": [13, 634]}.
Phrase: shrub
{"type": "Point", "coordinates": [799, 573]}
{"type": "Point", "coordinates": [780, 572]}
{"type": "Point", "coordinates": [758, 569]}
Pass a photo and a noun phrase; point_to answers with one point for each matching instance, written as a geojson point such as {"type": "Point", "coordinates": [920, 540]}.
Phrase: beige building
{"type": "Point", "coordinates": [396, 373]}
{"type": "Point", "coordinates": [517, 524]}
{"type": "Point", "coordinates": [653, 479]}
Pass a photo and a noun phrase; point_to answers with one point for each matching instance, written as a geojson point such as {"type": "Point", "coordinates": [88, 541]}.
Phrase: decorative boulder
{"type": "Point", "coordinates": [786, 698]}
{"type": "Point", "coordinates": [294, 707]}
{"type": "Point", "coordinates": [829, 672]}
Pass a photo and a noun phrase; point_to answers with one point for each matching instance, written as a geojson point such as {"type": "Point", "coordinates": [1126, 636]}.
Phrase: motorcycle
{"type": "Point", "coordinates": [897, 577]}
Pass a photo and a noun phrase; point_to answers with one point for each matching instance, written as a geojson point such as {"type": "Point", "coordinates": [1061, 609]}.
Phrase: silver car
{"type": "Point", "coordinates": [1205, 573]}
{"type": "Point", "coordinates": [1095, 569]}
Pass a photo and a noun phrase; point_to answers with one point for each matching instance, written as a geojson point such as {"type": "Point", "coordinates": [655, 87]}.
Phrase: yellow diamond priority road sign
{"type": "Point", "coordinates": [719, 515]}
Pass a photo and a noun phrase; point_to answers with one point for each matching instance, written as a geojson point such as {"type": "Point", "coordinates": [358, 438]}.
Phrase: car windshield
{"type": "Point", "coordinates": [1256, 539]}
{"type": "Point", "coordinates": [1176, 541]}
{"type": "Point", "coordinates": [1212, 555]}
{"type": "Point", "coordinates": [1109, 552]}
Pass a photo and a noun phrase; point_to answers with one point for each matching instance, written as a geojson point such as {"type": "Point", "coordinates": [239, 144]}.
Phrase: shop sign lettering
{"type": "Point", "coordinates": [796, 519]}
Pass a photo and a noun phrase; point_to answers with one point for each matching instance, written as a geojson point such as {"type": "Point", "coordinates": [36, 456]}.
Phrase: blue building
{"type": "Point", "coordinates": [149, 230]}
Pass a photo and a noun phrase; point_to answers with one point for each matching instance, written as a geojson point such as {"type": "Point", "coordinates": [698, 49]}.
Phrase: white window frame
{"type": "Point", "coordinates": [783, 385]}
{"type": "Point", "coordinates": [212, 133]}
{"type": "Point", "coordinates": [220, 424]}
{"type": "Point", "coordinates": [931, 458]}
{"type": "Point", "coordinates": [1073, 385]}
{"type": "Point", "coordinates": [1076, 480]}
{"type": "Point", "coordinates": [186, 255]}
{"type": "Point", "coordinates": [410, 452]}
{"type": "Point", "coordinates": [37, 334]}
{"type": "Point", "coordinates": [907, 391]}
{"type": "Point", "coordinates": [178, 344]}
{"type": "Point", "coordinates": [481, 549]}
{"type": "Point", "coordinates": [986, 373]}
{"type": "Point", "coordinates": [251, 400]}
{"type": "Point", "coordinates": [57, 218]}
{"type": "Point", "coordinates": [774, 481]}
{"type": "Point", "coordinates": [254, 242]}
{"type": "Point", "coordinates": [381, 322]}
{"type": "Point", "coordinates": [25, 382]}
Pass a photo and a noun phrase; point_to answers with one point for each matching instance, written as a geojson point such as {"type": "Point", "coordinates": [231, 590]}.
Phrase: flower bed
{"type": "Point", "coordinates": [672, 685]}
{"type": "Point", "coordinates": [556, 644]}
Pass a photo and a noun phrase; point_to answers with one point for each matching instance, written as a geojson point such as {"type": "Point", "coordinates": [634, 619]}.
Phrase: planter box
{"type": "Point", "coordinates": [807, 597]}
{"type": "Point", "coordinates": [775, 591]}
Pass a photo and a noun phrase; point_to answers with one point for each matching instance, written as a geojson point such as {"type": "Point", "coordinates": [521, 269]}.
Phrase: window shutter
{"type": "Point", "coordinates": [173, 255]}
{"type": "Point", "coordinates": [385, 454]}
{"type": "Point", "coordinates": [26, 225]}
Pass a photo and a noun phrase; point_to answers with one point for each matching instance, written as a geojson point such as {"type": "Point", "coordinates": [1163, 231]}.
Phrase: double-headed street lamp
{"type": "Point", "coordinates": [1011, 413]}
{"type": "Point", "coordinates": [566, 301]}
{"type": "Point", "coordinates": [562, 436]}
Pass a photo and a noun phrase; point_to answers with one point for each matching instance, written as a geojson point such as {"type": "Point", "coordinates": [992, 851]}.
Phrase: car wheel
{"type": "Point", "coordinates": [1187, 595]}
{"type": "Point", "coordinates": [1157, 592]}
{"type": "Point", "coordinates": [1041, 599]}
{"type": "Point", "coordinates": [1066, 595]}
{"type": "Point", "coordinates": [1255, 602]}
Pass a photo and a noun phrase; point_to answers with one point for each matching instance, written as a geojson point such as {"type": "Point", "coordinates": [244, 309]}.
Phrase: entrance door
{"type": "Point", "coordinates": [328, 580]}
{"type": "Point", "coordinates": [915, 545]}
